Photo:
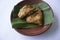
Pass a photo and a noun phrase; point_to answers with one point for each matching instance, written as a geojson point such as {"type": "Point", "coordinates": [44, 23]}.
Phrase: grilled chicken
{"type": "Point", "coordinates": [35, 18]}
{"type": "Point", "coordinates": [24, 11]}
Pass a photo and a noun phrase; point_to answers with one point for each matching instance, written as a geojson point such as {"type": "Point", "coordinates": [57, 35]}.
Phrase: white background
{"type": "Point", "coordinates": [7, 33]}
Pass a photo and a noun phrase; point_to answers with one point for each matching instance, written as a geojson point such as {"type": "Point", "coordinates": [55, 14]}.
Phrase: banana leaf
{"type": "Point", "coordinates": [47, 14]}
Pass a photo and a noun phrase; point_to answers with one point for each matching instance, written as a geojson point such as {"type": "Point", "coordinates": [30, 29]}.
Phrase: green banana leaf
{"type": "Point", "coordinates": [19, 23]}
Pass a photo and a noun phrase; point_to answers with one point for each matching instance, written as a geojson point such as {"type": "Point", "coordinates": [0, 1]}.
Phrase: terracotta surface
{"type": "Point", "coordinates": [32, 31]}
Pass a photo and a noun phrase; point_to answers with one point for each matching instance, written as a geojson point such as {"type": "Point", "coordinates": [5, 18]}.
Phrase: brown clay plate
{"type": "Point", "coordinates": [32, 31]}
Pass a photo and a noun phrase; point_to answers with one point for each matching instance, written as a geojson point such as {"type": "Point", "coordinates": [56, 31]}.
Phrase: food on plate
{"type": "Point", "coordinates": [32, 19]}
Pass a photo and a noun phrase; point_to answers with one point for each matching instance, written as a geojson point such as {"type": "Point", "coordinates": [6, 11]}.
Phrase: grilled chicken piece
{"type": "Point", "coordinates": [35, 18]}
{"type": "Point", "coordinates": [24, 11]}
